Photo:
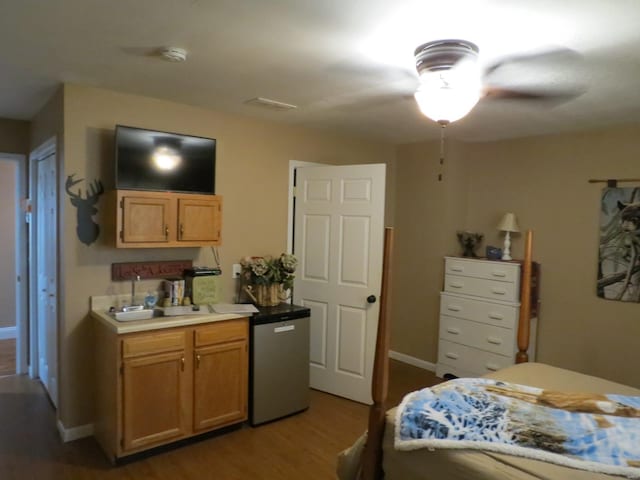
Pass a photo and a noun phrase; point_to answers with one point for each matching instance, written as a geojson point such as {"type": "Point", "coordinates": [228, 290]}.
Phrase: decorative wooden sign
{"type": "Point", "coordinates": [171, 268]}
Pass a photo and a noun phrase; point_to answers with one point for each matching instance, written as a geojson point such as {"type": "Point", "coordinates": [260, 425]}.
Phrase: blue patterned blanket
{"type": "Point", "coordinates": [595, 432]}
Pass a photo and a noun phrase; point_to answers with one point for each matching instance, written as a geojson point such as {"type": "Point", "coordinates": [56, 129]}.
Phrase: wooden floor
{"type": "Point", "coordinates": [7, 357]}
{"type": "Point", "coordinates": [303, 446]}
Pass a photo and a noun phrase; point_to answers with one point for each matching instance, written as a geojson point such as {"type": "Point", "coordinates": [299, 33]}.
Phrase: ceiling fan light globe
{"type": "Point", "coordinates": [446, 103]}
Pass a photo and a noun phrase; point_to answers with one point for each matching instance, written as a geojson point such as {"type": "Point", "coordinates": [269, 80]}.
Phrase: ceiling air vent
{"type": "Point", "coordinates": [270, 104]}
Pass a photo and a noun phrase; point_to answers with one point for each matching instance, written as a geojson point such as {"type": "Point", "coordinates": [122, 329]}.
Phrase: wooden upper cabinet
{"type": "Point", "coordinates": [146, 219]}
{"type": "Point", "coordinates": [167, 219]}
{"type": "Point", "coordinates": [199, 219]}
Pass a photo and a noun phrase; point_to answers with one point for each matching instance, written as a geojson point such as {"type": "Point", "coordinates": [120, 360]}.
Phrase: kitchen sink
{"type": "Point", "coordinates": [142, 314]}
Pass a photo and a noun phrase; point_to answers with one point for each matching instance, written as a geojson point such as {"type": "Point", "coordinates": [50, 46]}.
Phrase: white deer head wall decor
{"type": "Point", "coordinates": [87, 229]}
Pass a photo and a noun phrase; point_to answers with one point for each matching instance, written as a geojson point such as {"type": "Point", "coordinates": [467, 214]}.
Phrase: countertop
{"type": "Point", "coordinates": [100, 307]}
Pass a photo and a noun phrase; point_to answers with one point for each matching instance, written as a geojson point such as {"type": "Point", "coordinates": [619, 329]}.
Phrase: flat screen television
{"type": "Point", "coordinates": [151, 160]}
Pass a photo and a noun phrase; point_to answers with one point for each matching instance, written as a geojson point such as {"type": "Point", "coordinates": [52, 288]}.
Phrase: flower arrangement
{"type": "Point", "coordinates": [269, 270]}
{"type": "Point", "coordinates": [268, 279]}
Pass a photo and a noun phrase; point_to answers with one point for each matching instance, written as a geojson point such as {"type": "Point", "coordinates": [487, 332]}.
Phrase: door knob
{"type": "Point", "coordinates": [371, 299]}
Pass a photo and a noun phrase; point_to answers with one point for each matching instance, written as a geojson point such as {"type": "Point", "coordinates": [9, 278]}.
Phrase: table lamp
{"type": "Point", "coordinates": [508, 224]}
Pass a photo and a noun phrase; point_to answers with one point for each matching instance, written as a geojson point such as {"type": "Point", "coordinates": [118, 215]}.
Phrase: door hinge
{"type": "Point", "coordinates": [294, 191]}
{"type": "Point", "coordinates": [122, 203]}
{"type": "Point", "coordinates": [122, 235]}
{"type": "Point", "coordinates": [121, 369]}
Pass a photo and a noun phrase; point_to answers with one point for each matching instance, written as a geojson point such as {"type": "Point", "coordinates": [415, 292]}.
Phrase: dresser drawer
{"type": "Point", "coordinates": [501, 315]}
{"type": "Point", "coordinates": [481, 287]}
{"type": "Point", "coordinates": [471, 359]}
{"type": "Point", "coordinates": [478, 335]}
{"type": "Point", "coordinates": [489, 269]}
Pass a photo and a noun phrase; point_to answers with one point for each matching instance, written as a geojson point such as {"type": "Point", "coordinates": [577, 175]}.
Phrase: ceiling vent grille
{"type": "Point", "coordinates": [270, 104]}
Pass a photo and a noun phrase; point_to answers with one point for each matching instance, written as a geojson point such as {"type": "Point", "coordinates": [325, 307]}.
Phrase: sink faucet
{"type": "Point", "coordinates": [134, 279]}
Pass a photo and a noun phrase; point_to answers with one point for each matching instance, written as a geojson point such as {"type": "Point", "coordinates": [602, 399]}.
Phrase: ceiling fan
{"type": "Point", "coordinates": [452, 82]}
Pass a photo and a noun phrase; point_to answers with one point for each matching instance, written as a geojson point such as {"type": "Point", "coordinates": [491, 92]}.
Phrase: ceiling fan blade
{"type": "Point", "coordinates": [552, 95]}
{"type": "Point", "coordinates": [558, 57]}
{"type": "Point", "coordinates": [553, 76]}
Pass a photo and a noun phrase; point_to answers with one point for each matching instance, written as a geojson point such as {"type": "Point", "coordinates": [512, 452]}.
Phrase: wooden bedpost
{"type": "Point", "coordinates": [372, 454]}
{"type": "Point", "coordinates": [524, 324]}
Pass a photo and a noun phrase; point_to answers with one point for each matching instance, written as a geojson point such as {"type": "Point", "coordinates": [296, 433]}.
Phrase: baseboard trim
{"type": "Point", "coordinates": [8, 332]}
{"type": "Point", "coordinates": [416, 362]}
{"type": "Point", "coordinates": [74, 433]}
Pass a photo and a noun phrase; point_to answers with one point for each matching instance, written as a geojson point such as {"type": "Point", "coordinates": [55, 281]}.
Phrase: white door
{"type": "Point", "coordinates": [338, 240]}
{"type": "Point", "coordinates": [44, 254]}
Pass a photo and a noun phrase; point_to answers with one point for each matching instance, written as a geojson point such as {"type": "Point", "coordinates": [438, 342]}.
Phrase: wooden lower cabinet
{"type": "Point", "coordinates": [220, 390]}
{"type": "Point", "coordinates": [154, 394]}
{"type": "Point", "coordinates": [160, 386]}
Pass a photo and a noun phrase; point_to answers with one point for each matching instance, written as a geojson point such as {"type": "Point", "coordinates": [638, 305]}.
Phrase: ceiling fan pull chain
{"type": "Point", "coordinates": [442, 125]}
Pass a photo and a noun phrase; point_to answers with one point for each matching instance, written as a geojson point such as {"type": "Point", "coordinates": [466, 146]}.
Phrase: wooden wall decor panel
{"type": "Point", "coordinates": [172, 268]}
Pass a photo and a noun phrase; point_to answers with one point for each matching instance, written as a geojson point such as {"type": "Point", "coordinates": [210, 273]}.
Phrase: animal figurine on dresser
{"type": "Point", "coordinates": [469, 241]}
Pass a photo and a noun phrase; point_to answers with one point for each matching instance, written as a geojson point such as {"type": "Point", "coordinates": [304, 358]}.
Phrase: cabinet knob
{"type": "Point", "coordinates": [166, 231]}
{"type": "Point", "coordinates": [181, 231]}
{"type": "Point", "coordinates": [197, 361]}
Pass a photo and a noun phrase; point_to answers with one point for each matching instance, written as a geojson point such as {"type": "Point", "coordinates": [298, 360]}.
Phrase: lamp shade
{"type": "Point", "coordinates": [509, 223]}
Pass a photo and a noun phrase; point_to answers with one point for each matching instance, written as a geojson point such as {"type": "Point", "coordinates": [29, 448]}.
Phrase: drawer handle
{"type": "Point", "coordinates": [453, 330]}
{"type": "Point", "coordinates": [498, 273]}
{"type": "Point", "coordinates": [182, 363]}
{"type": "Point", "coordinates": [457, 268]}
{"type": "Point", "coordinates": [454, 308]}
{"type": "Point", "coordinates": [499, 291]}
{"type": "Point", "coordinates": [452, 356]}
{"type": "Point", "coordinates": [494, 340]}
{"type": "Point", "coordinates": [456, 284]}
{"type": "Point", "coordinates": [492, 366]}
{"type": "Point", "coordinates": [496, 316]}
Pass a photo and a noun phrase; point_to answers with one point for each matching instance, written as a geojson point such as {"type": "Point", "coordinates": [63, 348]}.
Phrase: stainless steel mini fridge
{"type": "Point", "coordinates": [279, 373]}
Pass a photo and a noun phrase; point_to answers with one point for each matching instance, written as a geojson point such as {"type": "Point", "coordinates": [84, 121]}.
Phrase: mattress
{"type": "Point", "coordinates": [466, 464]}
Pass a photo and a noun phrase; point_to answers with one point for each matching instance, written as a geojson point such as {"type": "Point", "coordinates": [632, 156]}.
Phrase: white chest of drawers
{"type": "Point", "coordinates": [479, 310]}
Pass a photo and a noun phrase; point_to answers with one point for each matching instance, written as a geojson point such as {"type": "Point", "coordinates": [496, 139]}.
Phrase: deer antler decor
{"type": "Point", "coordinates": [87, 229]}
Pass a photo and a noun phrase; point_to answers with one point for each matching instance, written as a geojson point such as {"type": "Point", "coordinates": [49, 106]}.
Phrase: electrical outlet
{"type": "Point", "coordinates": [235, 270]}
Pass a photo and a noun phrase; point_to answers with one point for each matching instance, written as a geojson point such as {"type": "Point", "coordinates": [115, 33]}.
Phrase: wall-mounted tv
{"type": "Point", "coordinates": [151, 160]}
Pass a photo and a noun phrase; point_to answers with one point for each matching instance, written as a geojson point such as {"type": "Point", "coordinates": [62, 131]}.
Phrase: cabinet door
{"type": "Point", "coordinates": [220, 385]}
{"type": "Point", "coordinates": [145, 219]}
{"type": "Point", "coordinates": [155, 397]}
{"type": "Point", "coordinates": [199, 219]}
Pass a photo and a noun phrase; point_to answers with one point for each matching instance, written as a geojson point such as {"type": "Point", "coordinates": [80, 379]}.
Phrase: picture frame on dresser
{"type": "Point", "coordinates": [479, 316]}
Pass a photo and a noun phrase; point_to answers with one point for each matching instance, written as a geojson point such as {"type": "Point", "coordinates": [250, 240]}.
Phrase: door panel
{"type": "Point", "coordinates": [46, 266]}
{"type": "Point", "coordinates": [338, 239]}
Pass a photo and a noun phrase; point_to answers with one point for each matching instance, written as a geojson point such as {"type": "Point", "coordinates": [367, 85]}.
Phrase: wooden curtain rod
{"type": "Point", "coordinates": [613, 180]}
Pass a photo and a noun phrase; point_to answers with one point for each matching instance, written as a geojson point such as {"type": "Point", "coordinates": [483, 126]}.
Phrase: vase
{"type": "Point", "coordinates": [266, 295]}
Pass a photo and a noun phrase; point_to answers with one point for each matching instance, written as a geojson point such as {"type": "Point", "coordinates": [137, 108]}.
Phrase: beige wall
{"type": "Point", "coordinates": [8, 176]}
{"type": "Point", "coordinates": [251, 174]}
{"type": "Point", "coordinates": [544, 181]}
{"type": "Point", "coordinates": [14, 136]}
{"type": "Point", "coordinates": [14, 139]}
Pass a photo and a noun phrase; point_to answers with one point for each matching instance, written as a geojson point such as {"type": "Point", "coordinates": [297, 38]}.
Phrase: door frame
{"type": "Point", "coordinates": [22, 326]}
{"type": "Point", "coordinates": [45, 149]}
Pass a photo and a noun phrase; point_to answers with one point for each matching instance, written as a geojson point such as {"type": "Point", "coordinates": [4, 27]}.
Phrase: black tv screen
{"type": "Point", "coordinates": [150, 160]}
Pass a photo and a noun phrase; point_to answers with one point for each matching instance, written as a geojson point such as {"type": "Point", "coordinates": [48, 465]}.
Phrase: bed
{"type": "Point", "coordinates": [377, 458]}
